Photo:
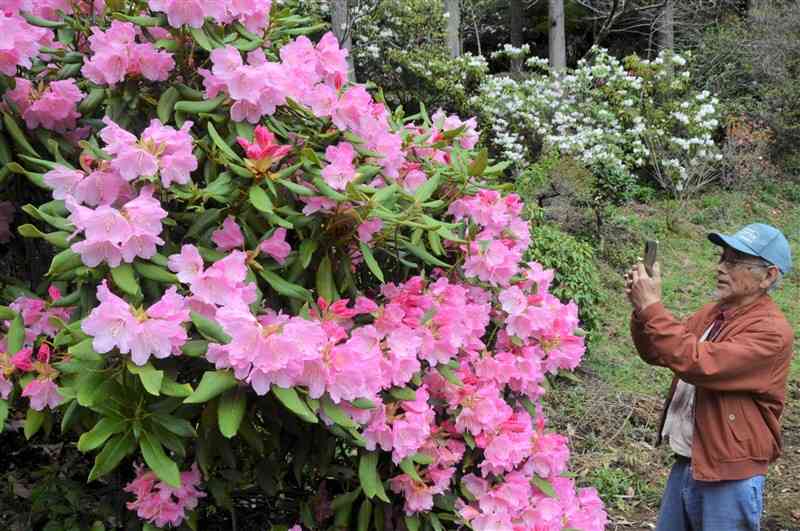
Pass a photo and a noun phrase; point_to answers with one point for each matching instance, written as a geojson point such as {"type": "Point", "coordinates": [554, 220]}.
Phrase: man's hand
{"type": "Point", "coordinates": [642, 289]}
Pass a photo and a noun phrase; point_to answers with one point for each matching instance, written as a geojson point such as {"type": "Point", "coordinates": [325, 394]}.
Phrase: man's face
{"type": "Point", "coordinates": [739, 276]}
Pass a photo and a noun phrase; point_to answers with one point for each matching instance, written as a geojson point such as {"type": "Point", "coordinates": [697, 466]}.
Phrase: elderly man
{"type": "Point", "coordinates": [730, 362]}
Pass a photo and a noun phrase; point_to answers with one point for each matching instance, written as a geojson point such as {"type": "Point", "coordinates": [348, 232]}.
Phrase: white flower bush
{"type": "Point", "coordinates": [621, 118]}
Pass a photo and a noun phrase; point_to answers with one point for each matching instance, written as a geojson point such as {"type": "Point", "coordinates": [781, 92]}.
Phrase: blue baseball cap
{"type": "Point", "coordinates": [761, 240]}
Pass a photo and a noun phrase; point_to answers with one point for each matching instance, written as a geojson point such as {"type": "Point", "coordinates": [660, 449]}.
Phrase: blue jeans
{"type": "Point", "coordinates": [690, 505]}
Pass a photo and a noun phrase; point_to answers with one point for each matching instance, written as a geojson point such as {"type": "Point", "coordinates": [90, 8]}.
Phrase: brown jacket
{"type": "Point", "coordinates": [740, 381]}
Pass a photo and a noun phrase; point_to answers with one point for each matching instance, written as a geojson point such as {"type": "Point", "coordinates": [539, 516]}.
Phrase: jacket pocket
{"type": "Point", "coordinates": [738, 422]}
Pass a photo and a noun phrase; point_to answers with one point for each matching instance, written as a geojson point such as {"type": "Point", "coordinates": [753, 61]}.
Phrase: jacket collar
{"type": "Point", "coordinates": [732, 313]}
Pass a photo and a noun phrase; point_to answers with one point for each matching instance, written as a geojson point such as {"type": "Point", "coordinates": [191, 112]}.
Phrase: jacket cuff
{"type": "Point", "coordinates": [650, 312]}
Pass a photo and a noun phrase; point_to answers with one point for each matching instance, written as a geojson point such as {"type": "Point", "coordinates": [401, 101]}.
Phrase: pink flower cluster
{"type": "Point", "coordinates": [157, 331]}
{"type": "Point", "coordinates": [221, 284]}
{"type": "Point", "coordinates": [276, 246]}
{"type": "Point", "coordinates": [42, 390]}
{"type": "Point", "coordinates": [443, 123]}
{"type": "Point", "coordinates": [161, 150]}
{"type": "Point", "coordinates": [116, 54]}
{"type": "Point", "coordinates": [311, 75]}
{"type": "Point", "coordinates": [19, 41]}
{"type": "Point", "coordinates": [494, 253]}
{"type": "Point", "coordinates": [52, 107]}
{"type": "Point", "coordinates": [265, 152]}
{"type": "Point", "coordinates": [515, 505]}
{"type": "Point", "coordinates": [340, 171]}
{"type": "Point", "coordinates": [116, 235]}
{"type": "Point", "coordinates": [39, 319]}
{"type": "Point", "coordinates": [229, 236]}
{"type": "Point", "coordinates": [48, 9]}
{"type": "Point", "coordinates": [253, 14]}
{"type": "Point", "coordinates": [159, 503]}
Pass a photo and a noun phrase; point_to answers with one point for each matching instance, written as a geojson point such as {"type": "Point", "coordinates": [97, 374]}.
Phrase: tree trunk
{"type": "Point", "coordinates": [340, 21]}
{"type": "Point", "coordinates": [453, 10]}
{"type": "Point", "coordinates": [666, 27]}
{"type": "Point", "coordinates": [515, 16]}
{"type": "Point", "coordinates": [558, 39]}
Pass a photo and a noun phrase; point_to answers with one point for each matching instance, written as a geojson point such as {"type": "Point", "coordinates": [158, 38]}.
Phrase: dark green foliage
{"type": "Point", "coordinates": [576, 277]}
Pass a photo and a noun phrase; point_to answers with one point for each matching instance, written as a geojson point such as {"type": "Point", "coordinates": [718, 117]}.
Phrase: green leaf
{"type": "Point", "coordinates": [403, 393]}
{"type": "Point", "coordinates": [369, 477]}
{"type": "Point", "coordinates": [307, 248]}
{"type": "Point", "coordinates": [150, 376]}
{"type": "Point", "coordinates": [66, 260]}
{"type": "Point", "coordinates": [294, 187]}
{"type": "Point", "coordinates": [231, 411]}
{"type": "Point", "coordinates": [170, 387]}
{"type": "Point", "coordinates": [13, 129]}
{"type": "Point", "coordinates": [83, 351]}
{"type": "Point", "coordinates": [125, 278]}
{"type": "Point", "coordinates": [288, 397]}
{"type": "Point", "coordinates": [158, 461]}
{"type": "Point", "coordinates": [284, 287]}
{"type": "Point", "coordinates": [16, 335]}
{"type": "Point", "coordinates": [196, 107]}
{"type": "Point", "coordinates": [178, 426]}
{"type": "Point", "coordinates": [448, 374]}
{"type": "Point", "coordinates": [364, 515]}
{"type": "Point", "coordinates": [407, 466]}
{"type": "Point", "coordinates": [345, 499]}
{"type": "Point", "coordinates": [155, 273]}
{"type": "Point", "coordinates": [33, 421]}
{"type": "Point", "coordinates": [325, 189]}
{"type": "Point", "coordinates": [209, 329]}
{"type": "Point", "coordinates": [478, 166]}
{"type": "Point", "coordinates": [201, 38]}
{"type": "Point", "coordinates": [166, 103]}
{"type": "Point", "coordinates": [112, 453]}
{"type": "Point", "coordinates": [3, 414]}
{"type": "Point", "coordinates": [422, 459]}
{"type": "Point", "coordinates": [412, 523]}
{"type": "Point", "coordinates": [421, 252]}
{"type": "Point", "coordinates": [195, 348]}
{"type": "Point", "coordinates": [363, 403]}
{"type": "Point", "coordinates": [105, 428]}
{"type": "Point", "coordinates": [260, 199]}
{"type": "Point", "coordinates": [336, 414]}
{"type": "Point", "coordinates": [89, 386]}
{"type": "Point", "coordinates": [221, 144]}
{"type": "Point", "coordinates": [543, 485]}
{"type": "Point", "coordinates": [325, 284]}
{"type": "Point", "coordinates": [205, 220]}
{"type": "Point", "coordinates": [372, 264]}
{"type": "Point", "coordinates": [424, 192]}
{"type": "Point", "coordinates": [213, 383]}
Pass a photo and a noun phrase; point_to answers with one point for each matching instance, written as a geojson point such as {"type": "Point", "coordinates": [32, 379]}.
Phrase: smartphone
{"type": "Point", "coordinates": [650, 252]}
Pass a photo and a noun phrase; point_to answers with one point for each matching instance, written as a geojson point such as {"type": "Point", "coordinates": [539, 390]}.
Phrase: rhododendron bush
{"type": "Point", "coordinates": [265, 276]}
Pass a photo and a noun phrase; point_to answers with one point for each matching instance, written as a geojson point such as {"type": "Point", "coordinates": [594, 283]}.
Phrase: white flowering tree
{"type": "Point", "coordinates": [624, 118]}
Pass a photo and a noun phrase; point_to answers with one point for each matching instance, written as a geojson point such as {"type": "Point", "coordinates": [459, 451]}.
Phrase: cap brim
{"type": "Point", "coordinates": [731, 241]}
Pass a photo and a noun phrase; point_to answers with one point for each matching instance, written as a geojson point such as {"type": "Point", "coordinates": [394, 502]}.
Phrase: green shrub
{"type": "Point", "coordinates": [576, 277]}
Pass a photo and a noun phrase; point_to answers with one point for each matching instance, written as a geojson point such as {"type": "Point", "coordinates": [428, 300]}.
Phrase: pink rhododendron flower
{"type": "Point", "coordinates": [53, 106]}
{"type": "Point", "coordinates": [340, 171]}
{"type": "Point", "coordinates": [161, 149]}
{"type": "Point", "coordinates": [22, 360]}
{"type": "Point", "coordinates": [229, 236]}
{"type": "Point", "coordinates": [368, 229]}
{"type": "Point", "coordinates": [276, 245]}
{"type": "Point", "coordinates": [154, 332]}
{"type": "Point", "coordinates": [265, 151]}
{"type": "Point", "coordinates": [468, 138]}
{"type": "Point", "coordinates": [116, 54]}
{"type": "Point", "coordinates": [42, 393]}
{"type": "Point", "coordinates": [161, 504]}
{"type": "Point", "coordinates": [5, 387]}
{"type": "Point", "coordinates": [6, 216]}
{"type": "Point", "coordinates": [222, 284]}
{"type": "Point", "coordinates": [20, 42]}
{"type": "Point", "coordinates": [39, 318]}
{"type": "Point", "coordinates": [102, 186]}
{"type": "Point", "coordinates": [113, 235]}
